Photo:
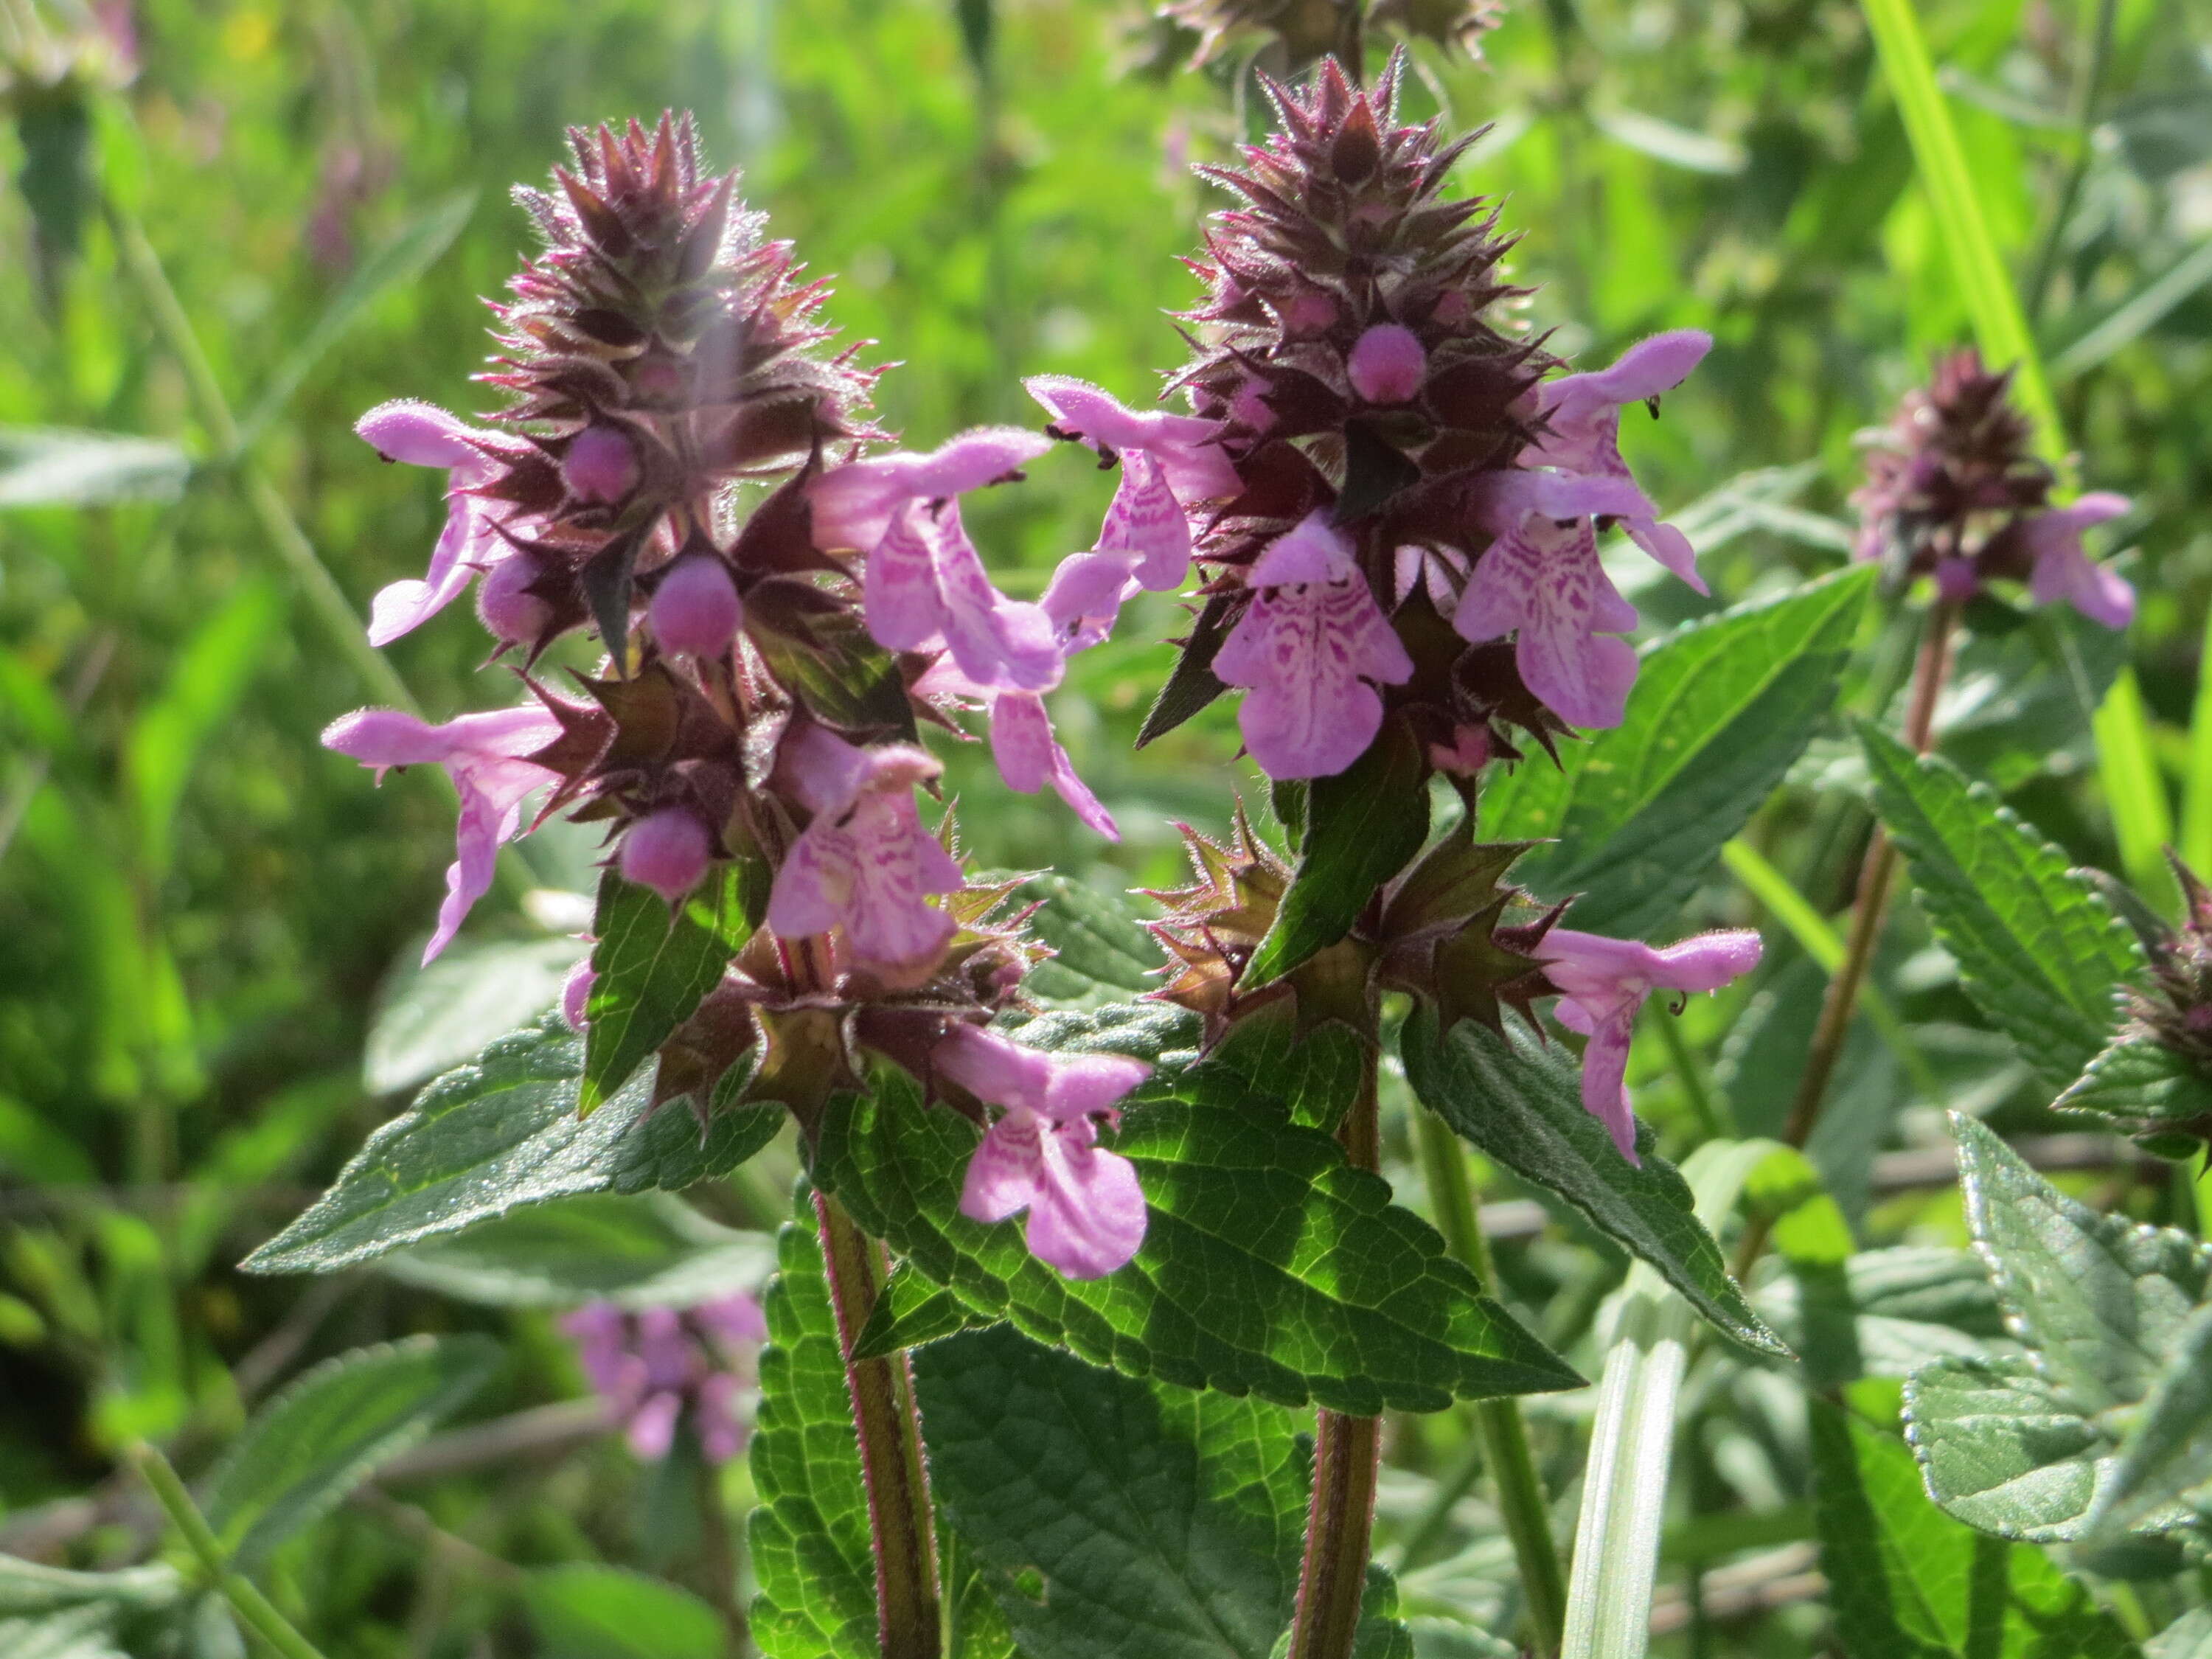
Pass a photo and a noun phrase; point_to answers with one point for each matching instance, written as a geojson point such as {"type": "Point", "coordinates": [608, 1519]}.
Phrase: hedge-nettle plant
{"type": "Point", "coordinates": [1384, 498]}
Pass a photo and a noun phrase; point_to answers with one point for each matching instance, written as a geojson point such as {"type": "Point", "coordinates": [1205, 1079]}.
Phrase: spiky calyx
{"type": "Point", "coordinates": [2175, 1010]}
{"type": "Point", "coordinates": [1950, 473]}
{"type": "Point", "coordinates": [1300, 31]}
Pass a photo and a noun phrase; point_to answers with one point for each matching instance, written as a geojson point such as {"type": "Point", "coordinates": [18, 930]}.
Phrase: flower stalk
{"type": "Point", "coordinates": [253, 1609]}
{"type": "Point", "coordinates": [900, 1520]}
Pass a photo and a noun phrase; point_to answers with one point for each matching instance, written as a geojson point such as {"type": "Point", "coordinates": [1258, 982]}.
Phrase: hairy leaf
{"type": "Point", "coordinates": [2004, 1450]}
{"type": "Point", "coordinates": [809, 1540]}
{"type": "Point", "coordinates": [1517, 1099]}
{"type": "Point", "coordinates": [1883, 1313]}
{"type": "Point", "coordinates": [2037, 950]}
{"type": "Point", "coordinates": [912, 1308]}
{"type": "Point", "coordinates": [431, 1019]}
{"type": "Point", "coordinates": [1720, 710]}
{"type": "Point", "coordinates": [1100, 950]}
{"type": "Point", "coordinates": [1160, 1522]}
{"type": "Point", "coordinates": [1269, 1265]}
{"type": "Point", "coordinates": [654, 962]}
{"type": "Point", "coordinates": [501, 1133]}
{"type": "Point", "coordinates": [643, 1252]}
{"type": "Point", "coordinates": [328, 1431]}
{"type": "Point", "coordinates": [1906, 1582]}
{"type": "Point", "coordinates": [1362, 827]}
{"type": "Point", "coordinates": [2166, 1454]}
{"type": "Point", "coordinates": [2141, 1085]}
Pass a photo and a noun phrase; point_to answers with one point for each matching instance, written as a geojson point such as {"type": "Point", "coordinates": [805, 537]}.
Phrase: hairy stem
{"type": "Point", "coordinates": [1503, 1435]}
{"type": "Point", "coordinates": [1347, 1450]}
{"type": "Point", "coordinates": [889, 1428]}
{"type": "Point", "coordinates": [254, 1610]}
{"type": "Point", "coordinates": [1873, 897]}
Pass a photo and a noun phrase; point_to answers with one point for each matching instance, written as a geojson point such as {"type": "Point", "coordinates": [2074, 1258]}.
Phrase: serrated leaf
{"type": "Point", "coordinates": [581, 1610]}
{"type": "Point", "coordinates": [912, 1308]}
{"type": "Point", "coordinates": [1362, 827]}
{"type": "Point", "coordinates": [2100, 1300]}
{"type": "Point", "coordinates": [2038, 950]}
{"type": "Point", "coordinates": [431, 1019]}
{"type": "Point", "coordinates": [2141, 1085]}
{"type": "Point", "coordinates": [1160, 1522]}
{"type": "Point", "coordinates": [2003, 1450]}
{"type": "Point", "coordinates": [1907, 1582]}
{"type": "Point", "coordinates": [1269, 1265]}
{"type": "Point", "coordinates": [54, 466]}
{"type": "Point", "coordinates": [1100, 947]}
{"type": "Point", "coordinates": [32, 1588]}
{"type": "Point", "coordinates": [328, 1431]}
{"type": "Point", "coordinates": [1883, 1313]}
{"type": "Point", "coordinates": [809, 1540]}
{"type": "Point", "coordinates": [2166, 1452]}
{"type": "Point", "coordinates": [1720, 710]}
{"type": "Point", "coordinates": [842, 677]}
{"type": "Point", "coordinates": [1191, 684]}
{"type": "Point", "coordinates": [1143, 1030]}
{"type": "Point", "coordinates": [501, 1133]}
{"type": "Point", "coordinates": [651, 963]}
{"type": "Point", "coordinates": [641, 1252]}
{"type": "Point", "coordinates": [1310, 1079]}
{"type": "Point", "coordinates": [1518, 1100]}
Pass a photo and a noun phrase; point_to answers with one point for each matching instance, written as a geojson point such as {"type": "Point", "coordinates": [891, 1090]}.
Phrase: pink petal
{"type": "Point", "coordinates": [1546, 579]}
{"type": "Point", "coordinates": [1387, 364]}
{"type": "Point", "coordinates": [1084, 598]}
{"type": "Point", "coordinates": [852, 505]}
{"type": "Point", "coordinates": [994, 1069]}
{"type": "Point", "coordinates": [1301, 651]}
{"type": "Point", "coordinates": [1707, 962]}
{"type": "Point", "coordinates": [1146, 519]}
{"type": "Point", "coordinates": [666, 851]}
{"type": "Point", "coordinates": [601, 464]}
{"type": "Point", "coordinates": [652, 1426]}
{"type": "Point", "coordinates": [1650, 367]}
{"type": "Point", "coordinates": [1088, 1218]}
{"type": "Point", "coordinates": [576, 996]}
{"type": "Point", "coordinates": [695, 610]}
{"type": "Point", "coordinates": [1190, 458]}
{"type": "Point", "coordinates": [1003, 1174]}
{"type": "Point", "coordinates": [995, 640]}
{"type": "Point", "coordinates": [2064, 571]}
{"type": "Point", "coordinates": [899, 590]}
{"type": "Point", "coordinates": [1088, 1084]}
{"type": "Point", "coordinates": [1029, 757]}
{"type": "Point", "coordinates": [811, 887]}
{"type": "Point", "coordinates": [1314, 551]}
{"type": "Point", "coordinates": [1670, 547]}
{"type": "Point", "coordinates": [1605, 1079]}
{"type": "Point", "coordinates": [418, 434]}
{"type": "Point", "coordinates": [402, 607]}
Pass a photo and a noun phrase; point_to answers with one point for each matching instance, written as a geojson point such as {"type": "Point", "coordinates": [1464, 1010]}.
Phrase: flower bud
{"type": "Point", "coordinates": [696, 610]}
{"type": "Point", "coordinates": [513, 614]}
{"type": "Point", "coordinates": [1387, 364]}
{"type": "Point", "coordinates": [576, 994]}
{"type": "Point", "coordinates": [665, 851]}
{"type": "Point", "coordinates": [600, 466]}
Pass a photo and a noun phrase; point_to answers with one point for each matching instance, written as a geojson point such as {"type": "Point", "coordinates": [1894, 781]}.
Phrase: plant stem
{"type": "Point", "coordinates": [325, 597]}
{"type": "Point", "coordinates": [1504, 1435]}
{"type": "Point", "coordinates": [253, 1609]}
{"type": "Point", "coordinates": [1841, 1001]}
{"type": "Point", "coordinates": [1347, 1453]}
{"type": "Point", "coordinates": [900, 1520]}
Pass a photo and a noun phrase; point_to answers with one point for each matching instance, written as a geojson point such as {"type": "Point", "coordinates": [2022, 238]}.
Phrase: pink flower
{"type": "Point", "coordinates": [1185, 447]}
{"type": "Point", "coordinates": [926, 586]}
{"type": "Point", "coordinates": [423, 435]}
{"type": "Point", "coordinates": [1387, 364]}
{"type": "Point", "coordinates": [576, 996]}
{"type": "Point", "coordinates": [853, 504]}
{"type": "Point", "coordinates": [696, 610]}
{"type": "Point", "coordinates": [601, 464]}
{"type": "Point", "coordinates": [484, 755]}
{"type": "Point", "coordinates": [2062, 571]}
{"type": "Point", "coordinates": [1146, 519]}
{"type": "Point", "coordinates": [1086, 1212]}
{"type": "Point", "coordinates": [1305, 649]}
{"type": "Point", "coordinates": [1029, 757]}
{"type": "Point", "coordinates": [510, 612]}
{"type": "Point", "coordinates": [864, 864]}
{"type": "Point", "coordinates": [1086, 595]}
{"type": "Point", "coordinates": [1582, 416]}
{"type": "Point", "coordinates": [667, 851]}
{"type": "Point", "coordinates": [1603, 983]}
{"type": "Point", "coordinates": [659, 1366]}
{"type": "Point", "coordinates": [1541, 579]}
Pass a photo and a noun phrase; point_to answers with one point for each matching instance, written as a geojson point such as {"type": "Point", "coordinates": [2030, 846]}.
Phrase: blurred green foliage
{"type": "Point", "coordinates": [198, 905]}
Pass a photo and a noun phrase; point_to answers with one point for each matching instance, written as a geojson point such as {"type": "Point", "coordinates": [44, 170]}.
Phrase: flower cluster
{"type": "Point", "coordinates": [1953, 492]}
{"type": "Point", "coordinates": [763, 682]}
{"type": "Point", "coordinates": [1386, 486]}
{"type": "Point", "coordinates": [663, 1369]}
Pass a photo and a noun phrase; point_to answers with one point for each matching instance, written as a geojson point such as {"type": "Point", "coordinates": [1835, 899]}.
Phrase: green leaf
{"type": "Point", "coordinates": [30, 1587]}
{"type": "Point", "coordinates": [1906, 1582]}
{"type": "Point", "coordinates": [1721, 709]}
{"type": "Point", "coordinates": [1883, 1313]}
{"type": "Point", "coordinates": [1363, 826]}
{"type": "Point", "coordinates": [809, 1540]}
{"type": "Point", "coordinates": [411, 251]}
{"type": "Point", "coordinates": [844, 678]}
{"type": "Point", "coordinates": [2166, 1452]}
{"type": "Point", "coordinates": [1192, 684]}
{"type": "Point", "coordinates": [1118, 1519]}
{"type": "Point", "coordinates": [2004, 1450]}
{"type": "Point", "coordinates": [1100, 947]}
{"type": "Point", "coordinates": [1269, 1265]}
{"type": "Point", "coordinates": [2141, 1086]}
{"type": "Point", "coordinates": [1519, 1101]}
{"type": "Point", "coordinates": [53, 466]}
{"type": "Point", "coordinates": [430, 1019]}
{"type": "Point", "coordinates": [911, 1310]}
{"type": "Point", "coordinates": [655, 1252]}
{"type": "Point", "coordinates": [1311, 1080]}
{"type": "Point", "coordinates": [498, 1134]}
{"type": "Point", "coordinates": [2038, 950]}
{"type": "Point", "coordinates": [83, 1632]}
{"type": "Point", "coordinates": [312, 1444]}
{"type": "Point", "coordinates": [581, 1610]}
{"type": "Point", "coordinates": [654, 962]}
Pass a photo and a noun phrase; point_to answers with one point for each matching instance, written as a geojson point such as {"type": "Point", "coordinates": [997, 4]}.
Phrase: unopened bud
{"type": "Point", "coordinates": [1387, 365]}
{"type": "Point", "coordinates": [665, 851]}
{"type": "Point", "coordinates": [600, 466]}
{"type": "Point", "coordinates": [696, 610]}
{"type": "Point", "coordinates": [576, 994]}
{"type": "Point", "coordinates": [513, 614]}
